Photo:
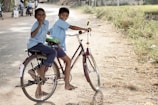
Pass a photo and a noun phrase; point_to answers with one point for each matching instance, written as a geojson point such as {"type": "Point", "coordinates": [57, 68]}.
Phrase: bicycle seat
{"type": "Point", "coordinates": [51, 40]}
{"type": "Point", "coordinates": [35, 52]}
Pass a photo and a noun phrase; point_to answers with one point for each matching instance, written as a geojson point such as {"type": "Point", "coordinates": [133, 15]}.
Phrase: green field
{"type": "Point", "coordinates": [139, 23]}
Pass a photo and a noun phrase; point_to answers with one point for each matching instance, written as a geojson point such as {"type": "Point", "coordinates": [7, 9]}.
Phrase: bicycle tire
{"type": "Point", "coordinates": [91, 71]}
{"type": "Point", "coordinates": [29, 85]}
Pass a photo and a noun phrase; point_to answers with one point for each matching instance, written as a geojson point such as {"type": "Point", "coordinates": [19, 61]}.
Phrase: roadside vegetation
{"type": "Point", "coordinates": [139, 23]}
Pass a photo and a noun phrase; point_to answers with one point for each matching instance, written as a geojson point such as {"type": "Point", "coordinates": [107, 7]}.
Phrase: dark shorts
{"type": "Point", "coordinates": [50, 53]}
{"type": "Point", "coordinates": [60, 52]}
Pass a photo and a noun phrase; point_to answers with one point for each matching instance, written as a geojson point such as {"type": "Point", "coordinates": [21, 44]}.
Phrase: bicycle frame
{"type": "Point", "coordinates": [80, 50]}
{"type": "Point", "coordinates": [74, 58]}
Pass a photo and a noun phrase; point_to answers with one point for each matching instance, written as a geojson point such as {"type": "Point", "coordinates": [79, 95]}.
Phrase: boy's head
{"type": "Point", "coordinates": [40, 14]}
{"type": "Point", "coordinates": [63, 13]}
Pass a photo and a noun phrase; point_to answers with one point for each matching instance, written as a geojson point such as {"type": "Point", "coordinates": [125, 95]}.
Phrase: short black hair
{"type": "Point", "coordinates": [63, 9]}
{"type": "Point", "coordinates": [39, 9]}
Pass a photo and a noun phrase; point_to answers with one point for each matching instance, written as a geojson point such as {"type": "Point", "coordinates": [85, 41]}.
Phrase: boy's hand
{"type": "Point", "coordinates": [40, 22]}
{"type": "Point", "coordinates": [48, 33]}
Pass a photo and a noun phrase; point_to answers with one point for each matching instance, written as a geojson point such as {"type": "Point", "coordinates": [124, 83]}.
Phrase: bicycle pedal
{"type": "Point", "coordinates": [30, 82]}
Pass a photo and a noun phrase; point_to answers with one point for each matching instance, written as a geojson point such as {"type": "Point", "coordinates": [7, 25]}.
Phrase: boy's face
{"type": "Point", "coordinates": [40, 16]}
{"type": "Point", "coordinates": [63, 16]}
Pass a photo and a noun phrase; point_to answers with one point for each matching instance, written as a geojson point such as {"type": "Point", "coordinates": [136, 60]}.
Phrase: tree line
{"type": "Point", "coordinates": [9, 4]}
{"type": "Point", "coordinates": [151, 1]}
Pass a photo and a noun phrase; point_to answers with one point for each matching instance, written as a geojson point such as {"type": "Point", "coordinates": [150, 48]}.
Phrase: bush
{"type": "Point", "coordinates": [132, 19]}
{"type": "Point", "coordinates": [88, 9]}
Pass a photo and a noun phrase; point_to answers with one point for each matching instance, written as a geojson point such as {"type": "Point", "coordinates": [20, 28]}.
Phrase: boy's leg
{"type": "Point", "coordinates": [50, 53]}
{"type": "Point", "coordinates": [41, 71]}
{"type": "Point", "coordinates": [38, 91]}
{"type": "Point", "coordinates": [61, 54]}
{"type": "Point", "coordinates": [67, 61]}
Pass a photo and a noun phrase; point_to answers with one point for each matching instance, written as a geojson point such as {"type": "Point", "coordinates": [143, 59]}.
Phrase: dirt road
{"type": "Point", "coordinates": [123, 80]}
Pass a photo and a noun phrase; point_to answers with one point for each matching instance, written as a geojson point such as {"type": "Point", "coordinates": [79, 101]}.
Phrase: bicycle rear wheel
{"type": "Point", "coordinates": [29, 85]}
{"type": "Point", "coordinates": [91, 71]}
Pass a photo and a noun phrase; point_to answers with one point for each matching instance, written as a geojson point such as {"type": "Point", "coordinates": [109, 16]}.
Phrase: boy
{"type": "Point", "coordinates": [21, 7]}
{"type": "Point", "coordinates": [58, 32]}
{"type": "Point", "coordinates": [29, 7]}
{"type": "Point", "coordinates": [36, 42]}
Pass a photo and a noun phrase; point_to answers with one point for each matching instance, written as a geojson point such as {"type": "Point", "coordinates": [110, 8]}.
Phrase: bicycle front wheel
{"type": "Point", "coordinates": [30, 85]}
{"type": "Point", "coordinates": [91, 71]}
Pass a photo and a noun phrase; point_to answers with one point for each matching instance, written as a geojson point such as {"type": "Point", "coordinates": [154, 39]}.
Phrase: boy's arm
{"type": "Point", "coordinates": [33, 33]}
{"type": "Point", "coordinates": [79, 28]}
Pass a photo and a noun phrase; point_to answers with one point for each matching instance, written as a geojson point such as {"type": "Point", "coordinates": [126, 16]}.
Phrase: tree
{"type": "Point", "coordinates": [25, 2]}
{"type": "Point", "coordinates": [8, 4]}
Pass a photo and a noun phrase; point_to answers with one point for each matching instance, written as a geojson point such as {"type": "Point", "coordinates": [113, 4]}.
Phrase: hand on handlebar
{"type": "Point", "coordinates": [85, 30]}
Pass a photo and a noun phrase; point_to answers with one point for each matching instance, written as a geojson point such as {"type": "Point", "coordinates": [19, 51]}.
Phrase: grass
{"type": "Point", "coordinates": [140, 23]}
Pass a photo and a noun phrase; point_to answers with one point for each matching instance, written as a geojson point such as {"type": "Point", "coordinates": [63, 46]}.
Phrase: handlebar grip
{"type": "Point", "coordinates": [80, 32]}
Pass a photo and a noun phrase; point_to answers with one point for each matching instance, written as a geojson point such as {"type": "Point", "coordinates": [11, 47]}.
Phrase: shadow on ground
{"type": "Point", "coordinates": [45, 103]}
{"type": "Point", "coordinates": [97, 99]}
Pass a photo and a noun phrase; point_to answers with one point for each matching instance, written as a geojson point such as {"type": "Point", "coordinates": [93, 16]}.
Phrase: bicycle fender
{"type": "Point", "coordinates": [21, 69]}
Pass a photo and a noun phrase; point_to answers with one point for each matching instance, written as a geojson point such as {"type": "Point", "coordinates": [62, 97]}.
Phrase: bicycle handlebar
{"type": "Point", "coordinates": [82, 32]}
{"type": "Point", "coordinates": [79, 33]}
{"type": "Point", "coordinates": [53, 41]}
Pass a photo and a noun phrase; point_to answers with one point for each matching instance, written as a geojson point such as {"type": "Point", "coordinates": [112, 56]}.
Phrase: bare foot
{"type": "Point", "coordinates": [32, 74]}
{"type": "Point", "coordinates": [40, 94]}
{"type": "Point", "coordinates": [70, 87]}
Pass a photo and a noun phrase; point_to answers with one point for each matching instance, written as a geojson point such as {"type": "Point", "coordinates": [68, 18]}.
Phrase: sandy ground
{"type": "Point", "coordinates": [123, 80]}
